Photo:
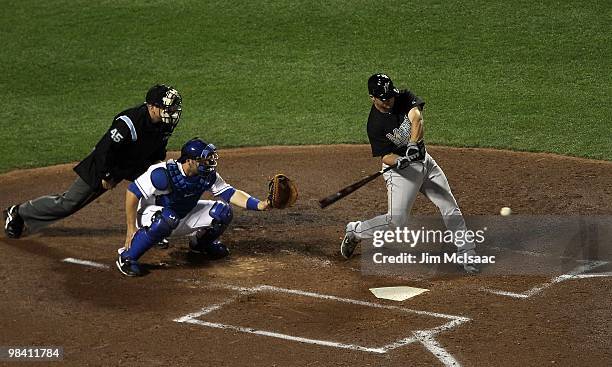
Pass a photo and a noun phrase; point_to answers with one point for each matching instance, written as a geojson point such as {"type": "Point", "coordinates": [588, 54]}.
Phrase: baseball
{"type": "Point", "coordinates": [505, 211]}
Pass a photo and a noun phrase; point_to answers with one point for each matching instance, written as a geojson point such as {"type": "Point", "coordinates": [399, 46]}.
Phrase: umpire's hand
{"type": "Point", "coordinates": [108, 185]}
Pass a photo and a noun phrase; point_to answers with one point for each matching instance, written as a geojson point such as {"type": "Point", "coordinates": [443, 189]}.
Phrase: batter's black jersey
{"type": "Point", "coordinates": [128, 148]}
{"type": "Point", "coordinates": [390, 132]}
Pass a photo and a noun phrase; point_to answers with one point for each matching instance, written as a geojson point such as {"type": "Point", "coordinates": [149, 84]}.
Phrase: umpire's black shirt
{"type": "Point", "coordinates": [390, 132]}
{"type": "Point", "coordinates": [128, 148]}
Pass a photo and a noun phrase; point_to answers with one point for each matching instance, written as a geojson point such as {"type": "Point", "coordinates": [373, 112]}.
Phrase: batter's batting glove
{"type": "Point", "coordinates": [415, 152]}
{"type": "Point", "coordinates": [402, 162]}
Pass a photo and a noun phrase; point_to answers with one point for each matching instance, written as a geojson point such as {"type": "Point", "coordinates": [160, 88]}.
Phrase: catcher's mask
{"type": "Point", "coordinates": [169, 101]}
{"type": "Point", "coordinates": [205, 154]}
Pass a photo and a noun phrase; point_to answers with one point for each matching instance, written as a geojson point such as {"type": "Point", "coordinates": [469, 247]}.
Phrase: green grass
{"type": "Point", "coordinates": [515, 75]}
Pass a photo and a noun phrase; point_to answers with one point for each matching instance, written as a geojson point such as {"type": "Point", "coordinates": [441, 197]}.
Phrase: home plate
{"type": "Point", "coordinates": [397, 293]}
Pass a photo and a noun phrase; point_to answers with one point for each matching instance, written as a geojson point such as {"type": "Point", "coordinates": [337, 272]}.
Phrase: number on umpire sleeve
{"type": "Point", "coordinates": [116, 135]}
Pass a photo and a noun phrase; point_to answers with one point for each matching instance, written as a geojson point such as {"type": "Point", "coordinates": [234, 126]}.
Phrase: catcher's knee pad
{"type": "Point", "coordinates": [221, 213]}
{"type": "Point", "coordinates": [163, 223]}
{"type": "Point", "coordinates": [222, 216]}
{"type": "Point", "coordinates": [206, 236]}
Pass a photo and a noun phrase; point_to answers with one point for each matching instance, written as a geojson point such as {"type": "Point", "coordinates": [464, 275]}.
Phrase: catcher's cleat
{"type": "Point", "coordinates": [215, 250]}
{"type": "Point", "coordinates": [13, 223]}
{"type": "Point", "coordinates": [127, 266]}
{"type": "Point", "coordinates": [163, 244]}
{"type": "Point", "coordinates": [349, 242]}
{"type": "Point", "coordinates": [194, 246]}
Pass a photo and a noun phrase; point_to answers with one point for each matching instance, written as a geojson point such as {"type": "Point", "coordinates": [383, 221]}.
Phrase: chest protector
{"type": "Point", "coordinates": [186, 191]}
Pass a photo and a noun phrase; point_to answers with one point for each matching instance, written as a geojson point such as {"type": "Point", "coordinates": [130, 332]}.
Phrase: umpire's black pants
{"type": "Point", "coordinates": [39, 213]}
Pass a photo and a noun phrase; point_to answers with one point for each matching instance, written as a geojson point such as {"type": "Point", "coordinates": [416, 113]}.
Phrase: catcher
{"type": "Point", "coordinates": [165, 201]}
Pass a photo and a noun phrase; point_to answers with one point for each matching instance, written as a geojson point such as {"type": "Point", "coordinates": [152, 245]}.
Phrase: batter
{"type": "Point", "coordinates": [395, 131]}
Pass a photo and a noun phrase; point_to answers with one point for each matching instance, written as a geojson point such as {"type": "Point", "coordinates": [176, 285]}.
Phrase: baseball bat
{"type": "Point", "coordinates": [329, 200]}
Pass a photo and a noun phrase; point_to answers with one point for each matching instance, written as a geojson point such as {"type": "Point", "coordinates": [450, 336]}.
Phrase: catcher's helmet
{"type": "Point", "coordinates": [204, 153]}
{"type": "Point", "coordinates": [381, 87]}
{"type": "Point", "coordinates": [169, 100]}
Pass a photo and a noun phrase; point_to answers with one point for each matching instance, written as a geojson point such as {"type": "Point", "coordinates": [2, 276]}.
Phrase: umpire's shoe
{"type": "Point", "coordinates": [350, 241]}
{"type": "Point", "coordinates": [13, 223]}
{"type": "Point", "coordinates": [127, 266]}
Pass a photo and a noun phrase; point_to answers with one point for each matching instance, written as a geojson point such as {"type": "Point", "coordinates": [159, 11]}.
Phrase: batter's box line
{"type": "Point", "coordinates": [531, 253]}
{"type": "Point", "coordinates": [425, 337]}
{"type": "Point", "coordinates": [577, 273]}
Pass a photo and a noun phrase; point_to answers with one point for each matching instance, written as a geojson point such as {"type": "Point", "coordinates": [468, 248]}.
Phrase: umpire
{"type": "Point", "coordinates": [136, 139]}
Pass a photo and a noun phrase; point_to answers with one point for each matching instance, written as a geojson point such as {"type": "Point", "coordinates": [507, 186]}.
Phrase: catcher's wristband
{"type": "Point", "coordinates": [252, 203]}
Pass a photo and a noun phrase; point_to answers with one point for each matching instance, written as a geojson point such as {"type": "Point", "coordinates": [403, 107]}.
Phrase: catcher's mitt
{"type": "Point", "coordinates": [282, 192]}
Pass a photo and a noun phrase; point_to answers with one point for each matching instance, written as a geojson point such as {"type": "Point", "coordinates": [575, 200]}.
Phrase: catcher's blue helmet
{"type": "Point", "coordinates": [204, 153]}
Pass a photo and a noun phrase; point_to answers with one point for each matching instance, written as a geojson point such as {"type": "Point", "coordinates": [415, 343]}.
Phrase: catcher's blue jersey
{"type": "Point", "coordinates": [165, 184]}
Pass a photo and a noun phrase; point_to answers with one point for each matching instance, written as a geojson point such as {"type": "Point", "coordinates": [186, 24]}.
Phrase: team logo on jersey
{"type": "Point", "coordinates": [401, 135]}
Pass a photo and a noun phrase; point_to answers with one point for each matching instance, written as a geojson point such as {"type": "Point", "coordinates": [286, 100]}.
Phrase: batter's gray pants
{"type": "Point", "coordinates": [402, 189]}
{"type": "Point", "coordinates": [39, 213]}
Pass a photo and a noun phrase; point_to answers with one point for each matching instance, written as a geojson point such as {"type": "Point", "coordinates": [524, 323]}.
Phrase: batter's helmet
{"type": "Point", "coordinates": [204, 153]}
{"type": "Point", "coordinates": [381, 87]}
{"type": "Point", "coordinates": [169, 100]}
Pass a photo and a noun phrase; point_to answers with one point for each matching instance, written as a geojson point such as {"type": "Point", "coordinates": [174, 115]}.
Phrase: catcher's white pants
{"type": "Point", "coordinates": [402, 189]}
{"type": "Point", "coordinates": [198, 218]}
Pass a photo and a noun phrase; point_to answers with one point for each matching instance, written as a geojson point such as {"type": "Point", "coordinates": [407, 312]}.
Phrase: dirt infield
{"type": "Point", "coordinates": [285, 297]}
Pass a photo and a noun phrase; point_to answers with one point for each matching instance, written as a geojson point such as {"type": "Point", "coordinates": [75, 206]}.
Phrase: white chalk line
{"type": "Point", "coordinates": [206, 310]}
{"type": "Point", "coordinates": [535, 254]}
{"type": "Point", "coordinates": [85, 263]}
{"type": "Point", "coordinates": [505, 293]}
{"type": "Point", "coordinates": [577, 273]}
{"type": "Point", "coordinates": [361, 303]}
{"type": "Point", "coordinates": [595, 275]}
{"type": "Point", "coordinates": [287, 337]}
{"type": "Point", "coordinates": [521, 252]}
{"type": "Point", "coordinates": [274, 289]}
{"type": "Point", "coordinates": [426, 337]}
{"type": "Point", "coordinates": [436, 349]}
{"type": "Point", "coordinates": [449, 325]}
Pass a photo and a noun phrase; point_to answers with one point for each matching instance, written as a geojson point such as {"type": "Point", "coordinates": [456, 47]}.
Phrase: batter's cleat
{"type": "Point", "coordinates": [215, 250]}
{"type": "Point", "coordinates": [469, 268]}
{"type": "Point", "coordinates": [127, 266]}
{"type": "Point", "coordinates": [13, 223]}
{"type": "Point", "coordinates": [350, 241]}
